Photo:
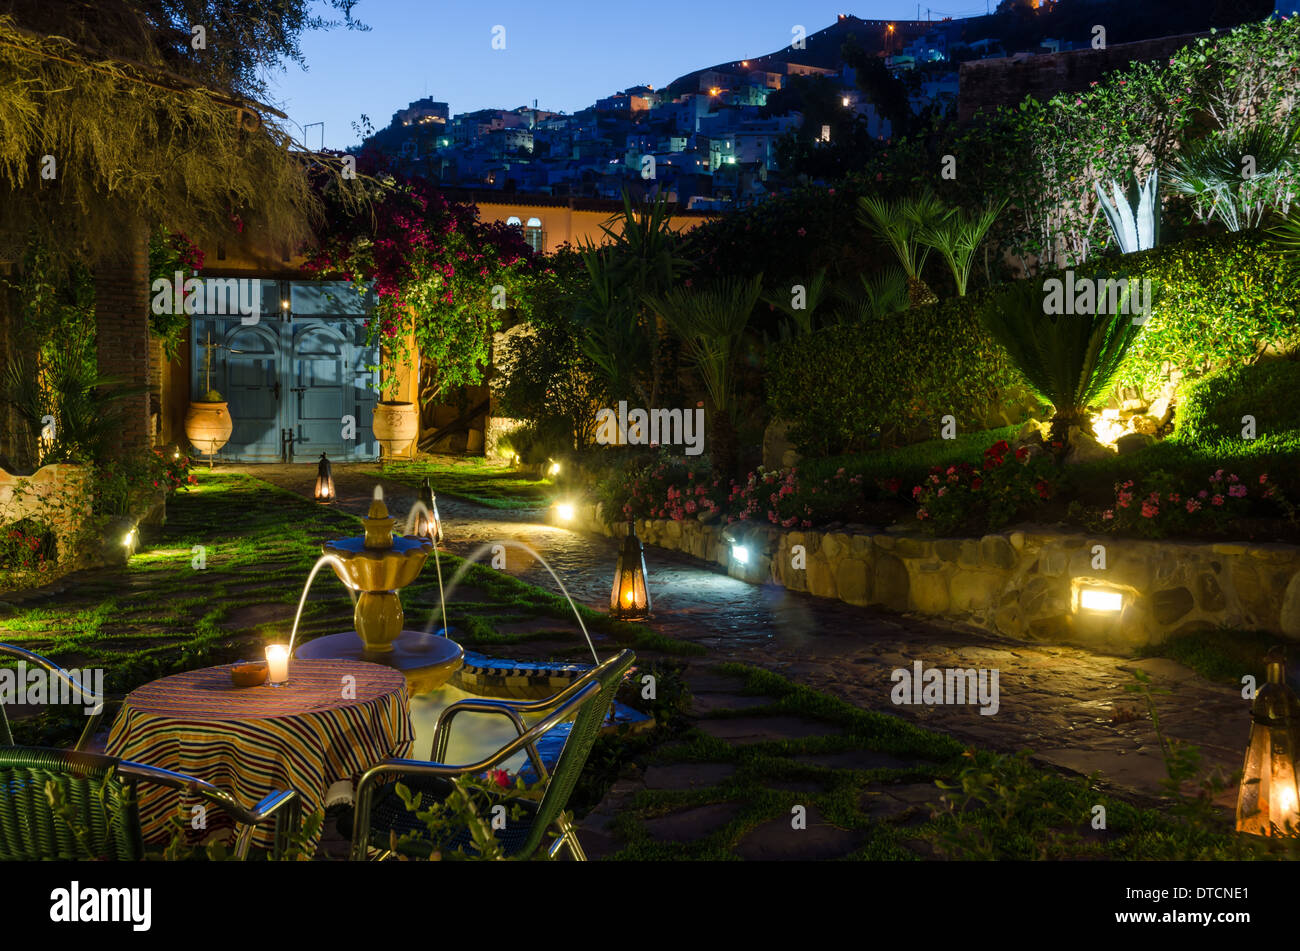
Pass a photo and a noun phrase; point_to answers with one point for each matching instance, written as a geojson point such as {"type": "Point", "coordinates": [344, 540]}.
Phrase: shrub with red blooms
{"type": "Point", "coordinates": [966, 497]}
{"type": "Point", "coordinates": [434, 265]}
{"type": "Point", "coordinates": [785, 498]}
{"type": "Point", "coordinates": [27, 546]}
{"type": "Point", "coordinates": [1162, 505]}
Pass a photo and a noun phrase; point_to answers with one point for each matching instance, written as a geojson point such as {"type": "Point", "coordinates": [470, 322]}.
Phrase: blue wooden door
{"type": "Point", "coordinates": [298, 380]}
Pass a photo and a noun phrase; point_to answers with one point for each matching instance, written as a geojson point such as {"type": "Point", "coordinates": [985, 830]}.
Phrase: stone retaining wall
{"type": "Point", "coordinates": [1025, 583]}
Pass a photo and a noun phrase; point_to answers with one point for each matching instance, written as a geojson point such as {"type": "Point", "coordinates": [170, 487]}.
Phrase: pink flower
{"type": "Point", "coordinates": [1107, 515]}
{"type": "Point", "coordinates": [1217, 500]}
{"type": "Point", "coordinates": [1193, 506]}
{"type": "Point", "coordinates": [1149, 510]}
{"type": "Point", "coordinates": [1237, 491]}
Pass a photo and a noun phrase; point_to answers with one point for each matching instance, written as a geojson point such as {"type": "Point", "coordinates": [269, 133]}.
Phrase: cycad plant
{"type": "Point", "coordinates": [957, 236]}
{"type": "Point", "coordinates": [900, 224]}
{"type": "Point", "coordinates": [1069, 360]}
{"type": "Point", "coordinates": [710, 322]}
{"type": "Point", "coordinates": [1135, 229]}
{"type": "Point", "coordinates": [802, 320]}
{"type": "Point", "coordinates": [877, 295]}
{"type": "Point", "coordinates": [1240, 176]}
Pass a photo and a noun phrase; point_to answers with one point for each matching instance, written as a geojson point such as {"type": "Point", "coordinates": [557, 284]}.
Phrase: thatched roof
{"type": "Point", "coordinates": [133, 140]}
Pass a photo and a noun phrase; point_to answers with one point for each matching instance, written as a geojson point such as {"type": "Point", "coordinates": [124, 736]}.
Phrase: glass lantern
{"type": "Point", "coordinates": [427, 523]}
{"type": "Point", "coordinates": [629, 599]}
{"type": "Point", "coordinates": [1268, 802]}
{"type": "Point", "coordinates": [324, 480]}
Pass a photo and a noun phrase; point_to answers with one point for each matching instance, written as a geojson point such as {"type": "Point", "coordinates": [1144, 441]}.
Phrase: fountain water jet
{"type": "Point", "coordinates": [487, 547]}
{"type": "Point", "coordinates": [322, 560]}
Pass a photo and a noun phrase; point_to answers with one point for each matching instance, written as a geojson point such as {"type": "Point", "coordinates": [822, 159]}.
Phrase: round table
{"type": "Point", "coordinates": [332, 721]}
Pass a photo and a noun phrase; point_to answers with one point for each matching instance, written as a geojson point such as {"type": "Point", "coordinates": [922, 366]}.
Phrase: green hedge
{"type": "Point", "coordinates": [889, 380]}
{"type": "Point", "coordinates": [1219, 300]}
{"type": "Point", "coordinates": [1211, 407]}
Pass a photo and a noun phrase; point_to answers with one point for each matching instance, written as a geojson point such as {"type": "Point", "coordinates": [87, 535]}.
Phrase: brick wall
{"type": "Point", "coordinates": [122, 335]}
{"type": "Point", "coordinates": [989, 83]}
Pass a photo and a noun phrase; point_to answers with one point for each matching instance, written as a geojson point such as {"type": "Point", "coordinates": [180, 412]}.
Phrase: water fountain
{"type": "Point", "coordinates": [377, 565]}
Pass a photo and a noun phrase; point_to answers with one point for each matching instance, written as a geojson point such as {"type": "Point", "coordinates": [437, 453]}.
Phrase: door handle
{"type": "Point", "coordinates": [277, 389]}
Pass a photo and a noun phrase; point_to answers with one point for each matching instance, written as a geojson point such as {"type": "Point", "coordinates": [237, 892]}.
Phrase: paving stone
{"type": "Point", "coordinates": [705, 703]}
{"type": "Point", "coordinates": [1133, 771]}
{"type": "Point", "coordinates": [687, 775]}
{"type": "Point", "coordinates": [777, 840]}
{"type": "Point", "coordinates": [764, 729]}
{"type": "Point", "coordinates": [691, 824]}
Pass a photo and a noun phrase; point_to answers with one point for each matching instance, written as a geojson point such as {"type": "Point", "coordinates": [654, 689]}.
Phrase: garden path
{"type": "Point", "coordinates": [1069, 706]}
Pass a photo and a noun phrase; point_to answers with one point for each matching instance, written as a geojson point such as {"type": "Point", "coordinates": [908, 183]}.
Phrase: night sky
{"type": "Point", "coordinates": [564, 54]}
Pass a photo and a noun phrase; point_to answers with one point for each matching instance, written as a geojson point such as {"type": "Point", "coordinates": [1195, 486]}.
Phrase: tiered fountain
{"type": "Point", "coordinates": [377, 565]}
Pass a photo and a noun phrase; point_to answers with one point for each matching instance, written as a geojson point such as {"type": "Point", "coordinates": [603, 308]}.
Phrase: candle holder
{"type": "Point", "coordinates": [277, 664]}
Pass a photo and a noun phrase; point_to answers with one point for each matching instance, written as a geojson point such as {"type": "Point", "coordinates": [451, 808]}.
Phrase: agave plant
{"type": "Point", "coordinates": [900, 224]}
{"type": "Point", "coordinates": [957, 236]}
{"type": "Point", "coordinates": [1134, 229]}
{"type": "Point", "coordinates": [1239, 177]}
{"type": "Point", "coordinates": [1070, 361]}
{"type": "Point", "coordinates": [711, 321]}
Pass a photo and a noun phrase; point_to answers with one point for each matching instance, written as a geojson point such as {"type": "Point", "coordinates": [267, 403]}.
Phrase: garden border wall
{"type": "Point", "coordinates": [1023, 583]}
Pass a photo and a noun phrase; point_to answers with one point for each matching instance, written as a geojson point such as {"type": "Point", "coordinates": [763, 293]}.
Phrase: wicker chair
{"type": "Point", "coordinates": [380, 811]}
{"type": "Point", "coordinates": [98, 794]}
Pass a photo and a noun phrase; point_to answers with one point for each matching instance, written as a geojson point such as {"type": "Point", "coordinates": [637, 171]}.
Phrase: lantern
{"type": "Point", "coordinates": [1267, 803]}
{"type": "Point", "coordinates": [629, 600]}
{"type": "Point", "coordinates": [427, 523]}
{"type": "Point", "coordinates": [324, 481]}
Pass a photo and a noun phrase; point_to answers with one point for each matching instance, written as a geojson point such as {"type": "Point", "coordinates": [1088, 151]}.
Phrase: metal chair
{"type": "Point", "coordinates": [380, 812]}
{"type": "Point", "coordinates": [100, 794]}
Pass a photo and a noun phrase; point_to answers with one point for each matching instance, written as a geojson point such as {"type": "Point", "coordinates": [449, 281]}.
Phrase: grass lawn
{"type": "Point", "coordinates": [475, 480]}
{"type": "Point", "coordinates": [162, 613]}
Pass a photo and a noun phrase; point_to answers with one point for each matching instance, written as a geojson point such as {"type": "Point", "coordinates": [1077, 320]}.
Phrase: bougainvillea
{"type": "Point", "coordinates": [437, 272]}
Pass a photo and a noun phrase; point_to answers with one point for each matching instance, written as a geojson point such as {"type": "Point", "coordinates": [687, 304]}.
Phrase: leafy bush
{"type": "Point", "coordinates": [1164, 504]}
{"type": "Point", "coordinates": [1220, 300]}
{"type": "Point", "coordinates": [889, 379]}
{"type": "Point", "coordinates": [1211, 407]}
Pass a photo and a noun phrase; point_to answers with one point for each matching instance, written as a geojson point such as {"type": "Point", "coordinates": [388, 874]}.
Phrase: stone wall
{"type": "Point", "coordinates": [989, 83]}
{"type": "Point", "coordinates": [1024, 584]}
{"type": "Point", "coordinates": [57, 494]}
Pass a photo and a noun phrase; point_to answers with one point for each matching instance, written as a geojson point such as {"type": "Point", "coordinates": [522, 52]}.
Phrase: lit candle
{"type": "Point", "coordinates": [277, 660]}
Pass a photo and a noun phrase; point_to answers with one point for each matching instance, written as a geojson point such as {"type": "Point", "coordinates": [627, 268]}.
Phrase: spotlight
{"type": "Point", "coordinates": [1103, 600]}
{"type": "Point", "coordinates": [564, 511]}
{"type": "Point", "coordinates": [740, 553]}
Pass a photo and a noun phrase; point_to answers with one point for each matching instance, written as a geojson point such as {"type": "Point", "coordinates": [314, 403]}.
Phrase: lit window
{"type": "Point", "coordinates": [534, 235]}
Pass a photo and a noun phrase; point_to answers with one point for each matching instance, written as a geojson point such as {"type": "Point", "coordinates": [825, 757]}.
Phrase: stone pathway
{"type": "Point", "coordinates": [1067, 705]}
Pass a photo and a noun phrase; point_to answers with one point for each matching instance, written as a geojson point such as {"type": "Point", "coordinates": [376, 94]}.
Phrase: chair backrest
{"type": "Point", "coordinates": [582, 736]}
{"type": "Point", "coordinates": [98, 818]}
{"type": "Point", "coordinates": [62, 682]}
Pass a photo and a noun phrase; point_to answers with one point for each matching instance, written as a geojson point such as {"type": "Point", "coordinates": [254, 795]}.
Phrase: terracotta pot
{"type": "Point", "coordinates": [396, 425]}
{"type": "Point", "coordinates": [208, 426]}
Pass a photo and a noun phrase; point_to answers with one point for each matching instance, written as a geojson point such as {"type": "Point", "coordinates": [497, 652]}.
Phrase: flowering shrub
{"type": "Point", "coordinates": [27, 546]}
{"type": "Point", "coordinates": [784, 498]}
{"type": "Point", "coordinates": [1161, 506]}
{"type": "Point", "coordinates": [986, 497]}
{"type": "Point", "coordinates": [169, 252]}
{"type": "Point", "coordinates": [434, 265]}
{"type": "Point", "coordinates": [664, 489]}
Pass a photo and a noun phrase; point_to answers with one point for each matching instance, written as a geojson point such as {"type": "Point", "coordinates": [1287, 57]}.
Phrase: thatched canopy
{"type": "Point", "coordinates": [133, 141]}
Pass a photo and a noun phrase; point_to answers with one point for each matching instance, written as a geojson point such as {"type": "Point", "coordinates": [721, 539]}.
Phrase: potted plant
{"type": "Point", "coordinates": [395, 424]}
{"type": "Point", "coordinates": [207, 421]}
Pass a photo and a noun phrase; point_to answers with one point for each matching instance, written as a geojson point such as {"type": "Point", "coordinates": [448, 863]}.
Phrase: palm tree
{"type": "Point", "coordinates": [610, 332]}
{"type": "Point", "coordinates": [711, 322]}
{"type": "Point", "coordinates": [1241, 175]}
{"type": "Point", "coordinates": [957, 236]}
{"type": "Point", "coordinates": [900, 224]}
{"type": "Point", "coordinates": [878, 295]}
{"type": "Point", "coordinates": [639, 258]}
{"type": "Point", "coordinates": [801, 319]}
{"type": "Point", "coordinates": [1068, 360]}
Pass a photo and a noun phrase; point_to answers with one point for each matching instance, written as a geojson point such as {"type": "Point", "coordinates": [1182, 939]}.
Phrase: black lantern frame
{"type": "Point", "coordinates": [324, 492]}
{"type": "Point", "coordinates": [629, 598]}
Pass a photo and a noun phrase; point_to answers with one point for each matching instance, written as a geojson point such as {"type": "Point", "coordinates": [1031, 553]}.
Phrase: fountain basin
{"type": "Point", "coordinates": [427, 660]}
{"type": "Point", "coordinates": [378, 569]}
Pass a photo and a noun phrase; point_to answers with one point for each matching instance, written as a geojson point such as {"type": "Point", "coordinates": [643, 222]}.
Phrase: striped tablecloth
{"type": "Point", "coordinates": [332, 721]}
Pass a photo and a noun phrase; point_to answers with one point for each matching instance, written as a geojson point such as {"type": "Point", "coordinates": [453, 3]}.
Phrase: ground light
{"type": "Point", "coordinates": [629, 599]}
{"type": "Point", "coordinates": [554, 468]}
{"type": "Point", "coordinates": [564, 511]}
{"type": "Point", "coordinates": [1268, 802]}
{"type": "Point", "coordinates": [739, 550]}
{"type": "Point", "coordinates": [130, 540]}
{"type": "Point", "coordinates": [324, 480]}
{"type": "Point", "coordinates": [1101, 600]}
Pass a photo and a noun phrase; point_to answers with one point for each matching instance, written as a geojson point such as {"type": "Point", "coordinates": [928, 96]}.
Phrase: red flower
{"type": "Point", "coordinates": [500, 777]}
{"type": "Point", "coordinates": [1043, 489]}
